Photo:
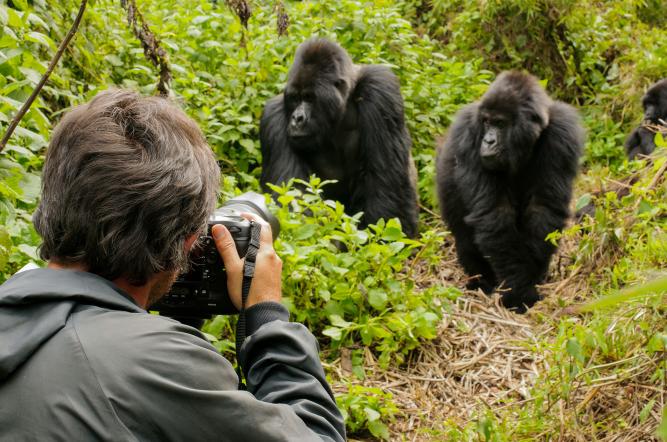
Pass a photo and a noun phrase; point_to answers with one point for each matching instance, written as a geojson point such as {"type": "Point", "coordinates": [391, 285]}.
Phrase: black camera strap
{"type": "Point", "coordinates": [248, 273]}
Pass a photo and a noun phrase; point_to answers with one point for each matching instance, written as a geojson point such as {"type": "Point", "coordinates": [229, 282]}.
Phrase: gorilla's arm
{"type": "Point", "coordinates": [633, 144]}
{"type": "Point", "coordinates": [647, 144]}
{"type": "Point", "coordinates": [279, 162]}
{"type": "Point", "coordinates": [456, 181]}
{"type": "Point", "coordinates": [386, 187]}
{"type": "Point", "coordinates": [554, 168]}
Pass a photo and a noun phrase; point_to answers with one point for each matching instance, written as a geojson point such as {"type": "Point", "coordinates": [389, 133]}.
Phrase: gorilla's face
{"type": "Point", "coordinates": [314, 108]}
{"type": "Point", "coordinates": [512, 115]}
{"type": "Point", "coordinates": [493, 150]}
{"type": "Point", "coordinates": [655, 103]}
{"type": "Point", "coordinates": [315, 100]}
{"type": "Point", "coordinates": [507, 138]}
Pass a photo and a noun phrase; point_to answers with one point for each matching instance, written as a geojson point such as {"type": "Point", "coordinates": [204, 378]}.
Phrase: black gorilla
{"type": "Point", "coordinates": [504, 177]}
{"type": "Point", "coordinates": [344, 122]}
{"type": "Point", "coordinates": [642, 139]}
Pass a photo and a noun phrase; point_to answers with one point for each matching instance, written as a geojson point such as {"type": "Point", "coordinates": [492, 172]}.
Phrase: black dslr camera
{"type": "Point", "coordinates": [202, 291]}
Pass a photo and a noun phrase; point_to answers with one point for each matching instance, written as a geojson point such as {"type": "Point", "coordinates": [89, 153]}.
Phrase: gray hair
{"type": "Point", "coordinates": [126, 180]}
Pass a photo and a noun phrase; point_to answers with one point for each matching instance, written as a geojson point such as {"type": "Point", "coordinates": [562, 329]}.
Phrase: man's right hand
{"type": "Point", "coordinates": [266, 283]}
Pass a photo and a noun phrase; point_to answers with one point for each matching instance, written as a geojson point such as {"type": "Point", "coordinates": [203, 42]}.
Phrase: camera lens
{"type": "Point", "coordinates": [251, 202]}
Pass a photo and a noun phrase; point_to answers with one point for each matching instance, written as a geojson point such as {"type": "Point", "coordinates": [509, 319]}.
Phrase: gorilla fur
{"type": "Point", "coordinates": [504, 178]}
{"type": "Point", "coordinates": [344, 122]}
{"type": "Point", "coordinates": [642, 140]}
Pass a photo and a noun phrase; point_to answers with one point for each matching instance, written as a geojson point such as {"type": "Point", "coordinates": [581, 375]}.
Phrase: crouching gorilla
{"type": "Point", "coordinates": [342, 122]}
{"type": "Point", "coordinates": [504, 177]}
{"type": "Point", "coordinates": [642, 139]}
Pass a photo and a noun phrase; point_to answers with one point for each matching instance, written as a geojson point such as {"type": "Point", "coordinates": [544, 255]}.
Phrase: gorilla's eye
{"type": "Point", "coordinates": [290, 98]}
{"type": "Point", "coordinates": [340, 84]}
{"type": "Point", "coordinates": [308, 96]}
{"type": "Point", "coordinates": [535, 118]}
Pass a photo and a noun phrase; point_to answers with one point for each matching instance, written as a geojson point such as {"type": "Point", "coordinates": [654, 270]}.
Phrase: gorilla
{"type": "Point", "coordinates": [504, 181]}
{"type": "Point", "coordinates": [642, 139]}
{"type": "Point", "coordinates": [343, 122]}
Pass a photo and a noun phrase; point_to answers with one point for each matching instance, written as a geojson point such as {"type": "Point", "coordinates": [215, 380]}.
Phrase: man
{"type": "Point", "coordinates": [128, 185]}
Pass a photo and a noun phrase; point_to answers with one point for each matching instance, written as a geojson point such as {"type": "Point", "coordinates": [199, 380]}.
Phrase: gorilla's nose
{"type": "Point", "coordinates": [298, 119]}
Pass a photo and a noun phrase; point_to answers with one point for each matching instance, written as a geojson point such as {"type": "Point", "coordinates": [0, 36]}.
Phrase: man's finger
{"type": "Point", "coordinates": [265, 235]}
{"type": "Point", "coordinates": [226, 247]}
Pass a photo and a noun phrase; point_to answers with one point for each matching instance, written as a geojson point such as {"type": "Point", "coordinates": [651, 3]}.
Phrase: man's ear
{"type": "Point", "coordinates": [189, 241]}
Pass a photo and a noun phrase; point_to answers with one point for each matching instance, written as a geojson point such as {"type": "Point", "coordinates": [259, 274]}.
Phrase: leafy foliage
{"type": "Point", "coordinates": [366, 408]}
{"type": "Point", "coordinates": [349, 283]}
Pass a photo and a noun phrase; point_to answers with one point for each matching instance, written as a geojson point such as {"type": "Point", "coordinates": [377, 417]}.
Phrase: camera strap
{"type": "Point", "coordinates": [248, 273]}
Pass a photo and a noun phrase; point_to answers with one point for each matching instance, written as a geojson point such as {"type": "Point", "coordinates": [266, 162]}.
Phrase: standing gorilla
{"type": "Point", "coordinates": [504, 177]}
{"type": "Point", "coordinates": [642, 139]}
{"type": "Point", "coordinates": [342, 122]}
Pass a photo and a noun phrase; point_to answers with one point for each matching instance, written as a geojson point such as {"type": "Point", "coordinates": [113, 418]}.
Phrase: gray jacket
{"type": "Point", "coordinates": [79, 360]}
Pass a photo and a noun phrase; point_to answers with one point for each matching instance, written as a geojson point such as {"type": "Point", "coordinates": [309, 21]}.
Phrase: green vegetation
{"type": "Point", "coordinates": [385, 306]}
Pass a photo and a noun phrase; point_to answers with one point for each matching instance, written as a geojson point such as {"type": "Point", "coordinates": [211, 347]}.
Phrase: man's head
{"type": "Point", "coordinates": [127, 179]}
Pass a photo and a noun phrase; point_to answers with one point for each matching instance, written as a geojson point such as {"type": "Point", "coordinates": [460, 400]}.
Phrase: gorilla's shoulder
{"type": "Point", "coordinates": [376, 72]}
{"type": "Point", "coordinates": [273, 104]}
{"type": "Point", "coordinates": [565, 125]}
{"type": "Point", "coordinates": [465, 122]}
{"type": "Point", "coordinates": [377, 81]}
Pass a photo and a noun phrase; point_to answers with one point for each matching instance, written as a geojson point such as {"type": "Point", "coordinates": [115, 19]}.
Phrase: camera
{"type": "Point", "coordinates": [202, 291]}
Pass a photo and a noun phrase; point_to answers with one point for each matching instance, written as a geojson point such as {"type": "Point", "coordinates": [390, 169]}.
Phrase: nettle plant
{"type": "Point", "coordinates": [354, 286]}
{"type": "Point", "coordinates": [367, 409]}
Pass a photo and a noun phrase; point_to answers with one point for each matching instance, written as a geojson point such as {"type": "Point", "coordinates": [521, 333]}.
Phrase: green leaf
{"type": "Point", "coordinates": [583, 201]}
{"type": "Point", "coordinates": [31, 187]}
{"type": "Point", "coordinates": [338, 321]}
{"type": "Point", "coordinates": [655, 287]}
{"type": "Point", "coordinates": [371, 415]}
{"type": "Point", "coordinates": [247, 144]}
{"type": "Point", "coordinates": [657, 343]}
{"type": "Point", "coordinates": [392, 231]}
{"type": "Point", "coordinates": [30, 251]}
{"type": "Point", "coordinates": [574, 349]}
{"type": "Point", "coordinates": [38, 37]}
{"type": "Point", "coordinates": [378, 429]}
{"type": "Point", "coordinates": [646, 411]}
{"type": "Point", "coordinates": [662, 429]}
{"type": "Point", "coordinates": [367, 334]}
{"type": "Point", "coordinates": [334, 333]}
{"type": "Point", "coordinates": [377, 298]}
{"type": "Point", "coordinates": [644, 207]}
{"type": "Point", "coordinates": [305, 232]}
{"type": "Point", "coordinates": [13, 19]}
{"type": "Point", "coordinates": [5, 246]}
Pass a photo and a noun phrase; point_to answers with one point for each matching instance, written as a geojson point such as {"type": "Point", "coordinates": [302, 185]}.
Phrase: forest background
{"type": "Point", "coordinates": [409, 353]}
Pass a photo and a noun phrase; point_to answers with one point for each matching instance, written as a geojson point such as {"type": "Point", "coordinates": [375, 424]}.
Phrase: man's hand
{"type": "Point", "coordinates": [266, 284]}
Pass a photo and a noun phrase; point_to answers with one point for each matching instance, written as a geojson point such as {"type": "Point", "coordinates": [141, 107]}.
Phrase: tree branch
{"type": "Point", "coordinates": [17, 118]}
{"type": "Point", "coordinates": [152, 49]}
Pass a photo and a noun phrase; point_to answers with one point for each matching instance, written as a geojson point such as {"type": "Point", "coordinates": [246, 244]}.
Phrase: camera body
{"type": "Point", "coordinates": [202, 291]}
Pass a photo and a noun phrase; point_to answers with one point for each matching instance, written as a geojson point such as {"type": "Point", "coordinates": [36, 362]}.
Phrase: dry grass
{"type": "Point", "coordinates": [486, 358]}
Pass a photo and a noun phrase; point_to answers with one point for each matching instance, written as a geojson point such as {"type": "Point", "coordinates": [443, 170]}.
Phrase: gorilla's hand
{"type": "Point", "coordinates": [479, 282]}
{"type": "Point", "coordinates": [520, 300]}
